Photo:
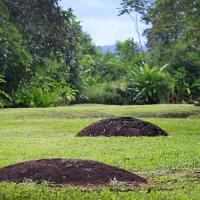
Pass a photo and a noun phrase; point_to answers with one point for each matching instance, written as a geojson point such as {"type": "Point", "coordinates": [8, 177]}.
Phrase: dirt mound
{"type": "Point", "coordinates": [122, 126]}
{"type": "Point", "coordinates": [72, 172]}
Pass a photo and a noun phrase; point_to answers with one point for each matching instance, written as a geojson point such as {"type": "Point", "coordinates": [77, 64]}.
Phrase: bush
{"type": "Point", "coordinates": [182, 90]}
{"type": "Point", "coordinates": [195, 89]}
{"type": "Point", "coordinates": [67, 94]}
{"type": "Point", "coordinates": [106, 93]}
{"type": "Point", "coordinates": [44, 99]}
{"type": "Point", "coordinates": [150, 85]}
{"type": "Point", "coordinates": [35, 96]}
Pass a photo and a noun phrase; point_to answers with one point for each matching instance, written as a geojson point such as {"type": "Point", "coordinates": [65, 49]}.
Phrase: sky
{"type": "Point", "coordinates": [100, 19]}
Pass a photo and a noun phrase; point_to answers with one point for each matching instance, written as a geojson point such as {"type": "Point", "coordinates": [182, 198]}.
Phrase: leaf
{"type": "Point", "coordinates": [164, 67]}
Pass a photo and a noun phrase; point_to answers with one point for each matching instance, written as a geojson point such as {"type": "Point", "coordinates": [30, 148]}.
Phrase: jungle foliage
{"type": "Point", "coordinates": [47, 60]}
{"type": "Point", "coordinates": [173, 39]}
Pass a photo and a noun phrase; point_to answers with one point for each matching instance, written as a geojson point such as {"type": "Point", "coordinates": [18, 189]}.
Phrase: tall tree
{"type": "Point", "coordinates": [48, 31]}
{"type": "Point", "coordinates": [15, 61]}
{"type": "Point", "coordinates": [174, 35]}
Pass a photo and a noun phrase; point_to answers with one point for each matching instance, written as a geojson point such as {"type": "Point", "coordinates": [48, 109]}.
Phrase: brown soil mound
{"type": "Point", "coordinates": [122, 126]}
{"type": "Point", "coordinates": [72, 172]}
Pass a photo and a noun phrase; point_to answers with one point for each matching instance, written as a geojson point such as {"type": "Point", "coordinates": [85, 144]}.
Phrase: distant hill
{"type": "Point", "coordinates": [108, 48]}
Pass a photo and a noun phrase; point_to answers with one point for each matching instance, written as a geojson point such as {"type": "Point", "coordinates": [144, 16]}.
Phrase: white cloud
{"type": "Point", "coordinates": [94, 3]}
{"type": "Point", "coordinates": [110, 30]}
{"type": "Point", "coordinates": [100, 19]}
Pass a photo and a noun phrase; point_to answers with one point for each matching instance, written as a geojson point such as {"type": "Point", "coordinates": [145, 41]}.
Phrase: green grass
{"type": "Point", "coordinates": [172, 164]}
{"type": "Point", "coordinates": [97, 111]}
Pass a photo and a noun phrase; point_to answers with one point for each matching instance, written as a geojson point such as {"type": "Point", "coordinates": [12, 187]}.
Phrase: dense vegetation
{"type": "Point", "coordinates": [47, 60]}
{"type": "Point", "coordinates": [39, 53]}
{"type": "Point", "coordinates": [173, 39]}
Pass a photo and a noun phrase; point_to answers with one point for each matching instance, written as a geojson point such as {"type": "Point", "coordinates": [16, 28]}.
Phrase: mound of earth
{"type": "Point", "coordinates": [122, 126]}
{"type": "Point", "coordinates": [72, 172]}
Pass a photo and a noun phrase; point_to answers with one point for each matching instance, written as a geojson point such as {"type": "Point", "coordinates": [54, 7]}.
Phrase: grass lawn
{"type": "Point", "coordinates": [172, 164]}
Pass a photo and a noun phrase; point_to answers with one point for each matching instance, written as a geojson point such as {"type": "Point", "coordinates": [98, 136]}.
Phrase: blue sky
{"type": "Point", "coordinates": [100, 19]}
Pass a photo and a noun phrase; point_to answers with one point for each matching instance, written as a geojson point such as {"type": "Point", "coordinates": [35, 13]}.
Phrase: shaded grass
{"type": "Point", "coordinates": [99, 111]}
{"type": "Point", "coordinates": [170, 163]}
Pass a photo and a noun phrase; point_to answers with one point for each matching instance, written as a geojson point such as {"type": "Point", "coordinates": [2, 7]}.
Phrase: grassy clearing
{"type": "Point", "coordinates": [171, 164]}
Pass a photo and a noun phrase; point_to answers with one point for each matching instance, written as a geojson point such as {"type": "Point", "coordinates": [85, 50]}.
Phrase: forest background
{"type": "Point", "coordinates": [46, 59]}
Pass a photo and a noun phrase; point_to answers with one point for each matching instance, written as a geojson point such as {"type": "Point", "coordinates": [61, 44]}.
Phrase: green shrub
{"type": "Point", "coordinates": [46, 96]}
{"type": "Point", "coordinates": [23, 97]}
{"type": "Point", "coordinates": [42, 98]}
{"type": "Point", "coordinates": [182, 90]}
{"type": "Point", "coordinates": [34, 97]}
{"type": "Point", "coordinates": [195, 89]}
{"type": "Point", "coordinates": [106, 93]}
{"type": "Point", "coordinates": [150, 85]}
{"type": "Point", "coordinates": [67, 94]}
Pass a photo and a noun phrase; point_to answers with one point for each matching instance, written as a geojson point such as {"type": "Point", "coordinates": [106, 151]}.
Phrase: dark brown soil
{"type": "Point", "coordinates": [72, 172]}
{"type": "Point", "coordinates": [122, 126]}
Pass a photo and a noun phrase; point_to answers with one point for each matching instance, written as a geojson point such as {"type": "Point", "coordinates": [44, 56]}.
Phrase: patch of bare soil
{"type": "Point", "coordinates": [122, 126]}
{"type": "Point", "coordinates": [67, 172]}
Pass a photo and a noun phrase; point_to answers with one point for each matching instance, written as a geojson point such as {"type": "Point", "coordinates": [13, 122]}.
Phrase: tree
{"type": "Point", "coordinates": [48, 32]}
{"type": "Point", "coordinates": [15, 61]}
{"type": "Point", "coordinates": [129, 51]}
{"type": "Point", "coordinates": [174, 35]}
